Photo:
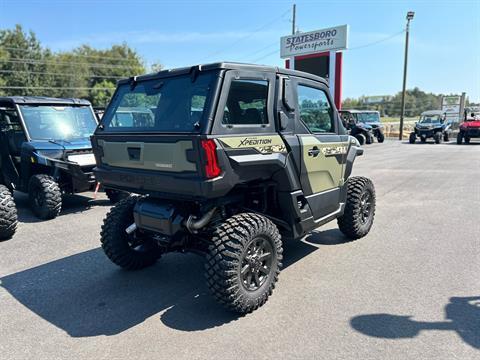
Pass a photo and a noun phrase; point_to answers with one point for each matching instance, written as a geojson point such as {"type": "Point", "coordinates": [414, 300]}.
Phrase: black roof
{"type": "Point", "coordinates": [224, 66]}
{"type": "Point", "coordinates": [41, 100]}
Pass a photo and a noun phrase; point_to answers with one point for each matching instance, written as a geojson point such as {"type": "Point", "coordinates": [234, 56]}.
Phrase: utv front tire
{"type": "Point", "coordinates": [8, 214]}
{"type": "Point", "coordinates": [361, 139]}
{"type": "Point", "coordinates": [45, 196]}
{"type": "Point", "coordinates": [459, 138]}
{"type": "Point", "coordinates": [116, 196]}
{"type": "Point", "coordinates": [381, 137]}
{"type": "Point", "coordinates": [412, 138]}
{"type": "Point", "coordinates": [131, 252]}
{"type": "Point", "coordinates": [244, 261]}
{"type": "Point", "coordinates": [437, 137]}
{"type": "Point", "coordinates": [359, 212]}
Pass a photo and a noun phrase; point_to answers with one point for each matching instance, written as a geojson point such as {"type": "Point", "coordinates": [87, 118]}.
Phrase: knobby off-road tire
{"type": "Point", "coordinates": [244, 261]}
{"type": "Point", "coordinates": [412, 138]}
{"type": "Point", "coordinates": [359, 213]}
{"type": "Point", "coordinates": [459, 138]}
{"type": "Point", "coordinates": [446, 137]}
{"type": "Point", "coordinates": [116, 196]}
{"type": "Point", "coordinates": [380, 137]}
{"type": "Point", "coordinates": [361, 139]}
{"type": "Point", "coordinates": [437, 137]}
{"type": "Point", "coordinates": [45, 196]}
{"type": "Point", "coordinates": [131, 252]}
{"type": "Point", "coordinates": [8, 214]}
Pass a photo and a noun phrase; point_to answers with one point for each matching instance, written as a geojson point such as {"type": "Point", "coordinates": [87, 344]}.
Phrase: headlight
{"type": "Point", "coordinates": [52, 154]}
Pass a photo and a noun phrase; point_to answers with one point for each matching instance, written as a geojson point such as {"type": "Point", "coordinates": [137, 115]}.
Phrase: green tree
{"type": "Point", "coordinates": [26, 68]}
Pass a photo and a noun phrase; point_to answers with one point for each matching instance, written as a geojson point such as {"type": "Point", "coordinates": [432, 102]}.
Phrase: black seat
{"type": "Point", "coordinates": [252, 116]}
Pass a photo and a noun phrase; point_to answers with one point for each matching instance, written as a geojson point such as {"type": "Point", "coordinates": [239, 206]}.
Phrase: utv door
{"type": "Point", "coordinates": [323, 153]}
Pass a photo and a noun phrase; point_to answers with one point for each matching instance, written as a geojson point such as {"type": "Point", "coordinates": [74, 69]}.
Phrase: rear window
{"type": "Point", "coordinates": [174, 104]}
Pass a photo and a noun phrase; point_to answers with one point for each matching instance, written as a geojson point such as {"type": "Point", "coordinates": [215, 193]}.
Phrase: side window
{"type": "Point", "coordinates": [9, 120]}
{"type": "Point", "coordinates": [246, 103]}
{"type": "Point", "coordinates": [315, 109]}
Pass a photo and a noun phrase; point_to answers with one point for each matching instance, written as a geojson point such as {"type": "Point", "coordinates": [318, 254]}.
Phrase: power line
{"type": "Point", "coordinates": [377, 42]}
{"type": "Point", "coordinates": [35, 61]}
{"type": "Point", "coordinates": [246, 36]}
{"type": "Point", "coordinates": [260, 50]}
{"type": "Point", "coordinates": [266, 55]}
{"type": "Point", "coordinates": [80, 55]}
{"type": "Point", "coordinates": [60, 74]}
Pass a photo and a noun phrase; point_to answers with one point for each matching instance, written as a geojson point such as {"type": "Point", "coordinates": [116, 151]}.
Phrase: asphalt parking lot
{"type": "Point", "coordinates": [410, 289]}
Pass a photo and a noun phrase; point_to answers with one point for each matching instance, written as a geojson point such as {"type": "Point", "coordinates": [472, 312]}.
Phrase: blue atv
{"type": "Point", "coordinates": [369, 119]}
{"type": "Point", "coordinates": [361, 131]}
{"type": "Point", "coordinates": [45, 151]}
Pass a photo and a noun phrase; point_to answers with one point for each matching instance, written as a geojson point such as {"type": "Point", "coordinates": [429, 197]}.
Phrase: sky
{"type": "Point", "coordinates": [444, 54]}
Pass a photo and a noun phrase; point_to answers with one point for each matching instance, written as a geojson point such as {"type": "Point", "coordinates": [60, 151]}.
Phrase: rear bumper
{"type": "Point", "coordinates": [162, 185]}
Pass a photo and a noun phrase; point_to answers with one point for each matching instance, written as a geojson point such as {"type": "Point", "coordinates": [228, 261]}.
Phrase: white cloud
{"type": "Point", "coordinates": [154, 37]}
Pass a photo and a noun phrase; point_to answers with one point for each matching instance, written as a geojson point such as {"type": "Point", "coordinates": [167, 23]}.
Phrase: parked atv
{"type": "Point", "coordinates": [469, 129]}
{"type": "Point", "coordinates": [231, 161]}
{"type": "Point", "coordinates": [432, 124]}
{"type": "Point", "coordinates": [45, 151]}
{"type": "Point", "coordinates": [370, 118]}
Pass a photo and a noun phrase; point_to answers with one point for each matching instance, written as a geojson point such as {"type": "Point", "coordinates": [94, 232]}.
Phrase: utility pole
{"type": "Point", "coordinates": [410, 15]}
{"type": "Point", "coordinates": [294, 10]}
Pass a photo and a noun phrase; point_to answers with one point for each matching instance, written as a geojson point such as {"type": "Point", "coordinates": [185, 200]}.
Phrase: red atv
{"type": "Point", "coordinates": [470, 128]}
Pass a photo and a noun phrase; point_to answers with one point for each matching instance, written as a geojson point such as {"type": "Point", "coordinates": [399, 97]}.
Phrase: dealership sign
{"type": "Point", "coordinates": [334, 38]}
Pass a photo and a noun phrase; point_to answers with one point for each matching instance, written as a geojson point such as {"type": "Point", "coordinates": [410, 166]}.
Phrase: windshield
{"type": "Point", "coordinates": [58, 122]}
{"type": "Point", "coordinates": [430, 119]}
{"type": "Point", "coordinates": [368, 117]}
{"type": "Point", "coordinates": [174, 104]}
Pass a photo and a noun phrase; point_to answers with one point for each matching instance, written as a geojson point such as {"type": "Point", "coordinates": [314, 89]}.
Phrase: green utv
{"type": "Point", "coordinates": [231, 160]}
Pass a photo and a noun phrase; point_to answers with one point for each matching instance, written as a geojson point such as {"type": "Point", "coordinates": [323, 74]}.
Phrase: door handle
{"type": "Point", "coordinates": [314, 151]}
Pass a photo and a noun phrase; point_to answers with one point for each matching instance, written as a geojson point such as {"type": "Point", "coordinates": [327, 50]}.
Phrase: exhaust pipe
{"type": "Point", "coordinates": [193, 225]}
{"type": "Point", "coordinates": [131, 229]}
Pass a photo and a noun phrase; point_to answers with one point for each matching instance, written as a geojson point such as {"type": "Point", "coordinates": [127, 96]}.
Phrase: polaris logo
{"type": "Point", "coordinates": [255, 142]}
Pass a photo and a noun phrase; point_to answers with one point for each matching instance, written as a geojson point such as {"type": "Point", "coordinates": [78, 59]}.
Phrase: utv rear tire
{"type": "Point", "coordinates": [243, 262]}
{"type": "Point", "coordinates": [45, 196]}
{"type": "Point", "coordinates": [412, 138]}
{"type": "Point", "coordinates": [359, 212]}
{"type": "Point", "coordinates": [131, 252]}
{"type": "Point", "coordinates": [459, 138]}
{"type": "Point", "coordinates": [8, 214]}
{"type": "Point", "coordinates": [437, 137]}
{"type": "Point", "coordinates": [116, 196]}
{"type": "Point", "coordinates": [380, 137]}
{"type": "Point", "coordinates": [361, 139]}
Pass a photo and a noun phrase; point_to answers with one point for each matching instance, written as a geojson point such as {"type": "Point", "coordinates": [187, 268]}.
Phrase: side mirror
{"type": "Point", "coordinates": [288, 98]}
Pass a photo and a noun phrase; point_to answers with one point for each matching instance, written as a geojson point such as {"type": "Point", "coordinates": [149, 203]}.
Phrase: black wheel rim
{"type": "Point", "coordinates": [256, 263]}
{"type": "Point", "coordinates": [365, 207]}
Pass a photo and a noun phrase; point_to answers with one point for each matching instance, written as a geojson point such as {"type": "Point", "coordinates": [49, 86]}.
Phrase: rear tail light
{"type": "Point", "coordinates": [212, 169]}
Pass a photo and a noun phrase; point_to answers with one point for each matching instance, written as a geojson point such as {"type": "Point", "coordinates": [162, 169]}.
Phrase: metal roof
{"type": "Point", "coordinates": [223, 66]}
{"type": "Point", "coordinates": [41, 100]}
